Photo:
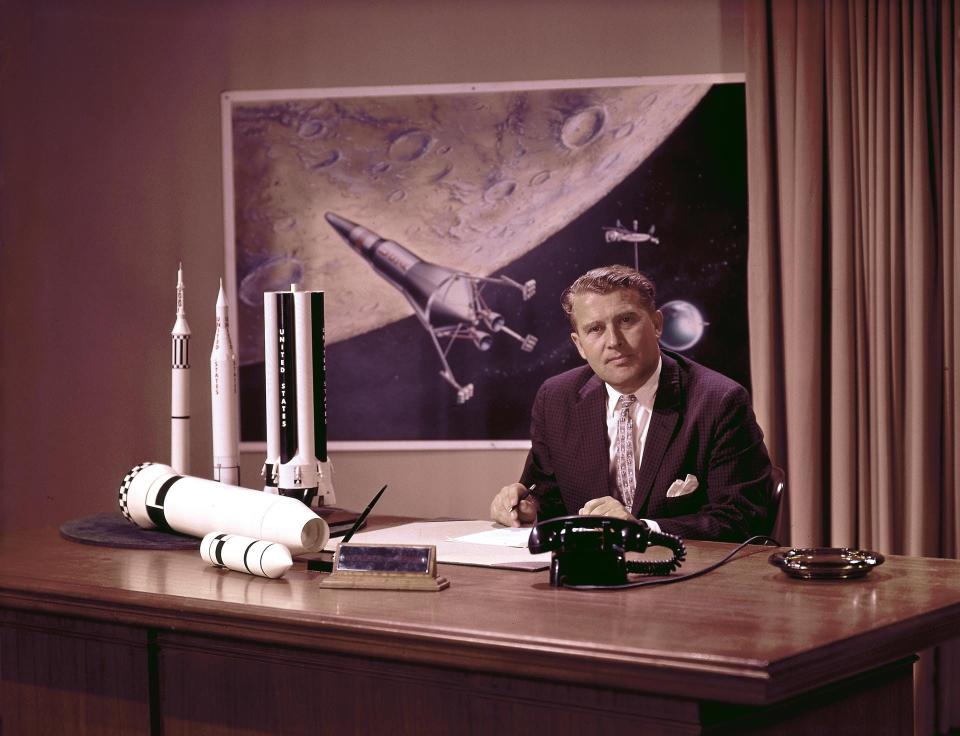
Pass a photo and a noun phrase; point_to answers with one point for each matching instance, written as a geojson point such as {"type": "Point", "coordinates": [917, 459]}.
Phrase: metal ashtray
{"type": "Point", "coordinates": [826, 563]}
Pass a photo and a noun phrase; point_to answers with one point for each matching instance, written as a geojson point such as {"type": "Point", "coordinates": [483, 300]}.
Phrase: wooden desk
{"type": "Point", "coordinates": [98, 640]}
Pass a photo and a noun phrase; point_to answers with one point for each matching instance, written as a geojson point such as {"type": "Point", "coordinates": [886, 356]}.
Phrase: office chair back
{"type": "Point", "coordinates": [778, 479]}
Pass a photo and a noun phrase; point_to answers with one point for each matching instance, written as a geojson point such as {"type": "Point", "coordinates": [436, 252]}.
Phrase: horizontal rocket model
{"type": "Point", "coordinates": [152, 496]}
{"type": "Point", "coordinates": [244, 554]}
{"type": "Point", "coordinates": [447, 302]}
{"type": "Point", "coordinates": [295, 379]}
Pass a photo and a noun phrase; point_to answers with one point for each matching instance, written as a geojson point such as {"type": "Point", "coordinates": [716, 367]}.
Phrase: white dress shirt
{"type": "Point", "coordinates": [641, 411]}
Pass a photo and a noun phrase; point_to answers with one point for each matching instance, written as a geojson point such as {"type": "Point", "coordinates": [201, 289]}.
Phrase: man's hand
{"type": "Point", "coordinates": [606, 506]}
{"type": "Point", "coordinates": [509, 510]}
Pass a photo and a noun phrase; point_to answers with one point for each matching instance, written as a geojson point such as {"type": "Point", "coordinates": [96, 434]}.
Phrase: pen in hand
{"type": "Point", "coordinates": [523, 496]}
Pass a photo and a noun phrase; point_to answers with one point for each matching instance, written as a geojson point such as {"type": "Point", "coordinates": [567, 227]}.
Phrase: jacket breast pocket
{"type": "Point", "coordinates": [688, 504]}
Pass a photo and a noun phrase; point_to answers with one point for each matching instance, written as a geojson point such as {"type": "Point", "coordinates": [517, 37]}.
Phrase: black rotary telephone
{"type": "Point", "coordinates": [590, 550]}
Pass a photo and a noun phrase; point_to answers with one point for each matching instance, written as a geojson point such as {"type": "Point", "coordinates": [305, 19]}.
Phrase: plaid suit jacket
{"type": "Point", "coordinates": [702, 424]}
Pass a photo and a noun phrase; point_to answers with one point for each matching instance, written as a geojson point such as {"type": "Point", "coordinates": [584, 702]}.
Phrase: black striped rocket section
{"type": "Point", "coordinates": [180, 357]}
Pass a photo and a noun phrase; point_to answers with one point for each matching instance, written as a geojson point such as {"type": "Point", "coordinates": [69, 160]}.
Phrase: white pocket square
{"type": "Point", "coordinates": [682, 487]}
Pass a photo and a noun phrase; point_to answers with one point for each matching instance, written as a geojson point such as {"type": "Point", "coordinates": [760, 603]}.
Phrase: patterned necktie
{"type": "Point", "coordinates": [626, 459]}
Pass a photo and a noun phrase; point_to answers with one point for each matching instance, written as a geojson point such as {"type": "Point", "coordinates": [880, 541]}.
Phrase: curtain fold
{"type": "Point", "coordinates": [853, 278]}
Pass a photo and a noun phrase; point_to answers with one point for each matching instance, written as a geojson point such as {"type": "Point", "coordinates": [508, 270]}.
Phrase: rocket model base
{"type": "Point", "coordinates": [154, 496]}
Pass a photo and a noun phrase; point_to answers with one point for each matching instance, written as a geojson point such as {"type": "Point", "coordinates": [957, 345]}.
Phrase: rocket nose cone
{"type": "Point", "coordinates": [342, 225]}
{"type": "Point", "coordinates": [275, 561]}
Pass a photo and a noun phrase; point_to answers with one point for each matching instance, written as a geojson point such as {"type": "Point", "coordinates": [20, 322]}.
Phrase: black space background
{"type": "Point", "coordinates": [385, 384]}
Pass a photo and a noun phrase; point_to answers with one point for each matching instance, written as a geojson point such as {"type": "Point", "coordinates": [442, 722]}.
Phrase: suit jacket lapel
{"type": "Point", "coordinates": [663, 425]}
{"type": "Point", "coordinates": [589, 417]}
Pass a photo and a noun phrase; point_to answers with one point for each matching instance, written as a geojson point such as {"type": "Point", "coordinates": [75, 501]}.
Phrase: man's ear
{"type": "Point", "coordinates": [658, 322]}
{"type": "Point", "coordinates": [576, 341]}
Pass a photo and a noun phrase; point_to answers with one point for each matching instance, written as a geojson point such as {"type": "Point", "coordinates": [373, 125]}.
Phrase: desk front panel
{"type": "Point", "coordinates": [743, 634]}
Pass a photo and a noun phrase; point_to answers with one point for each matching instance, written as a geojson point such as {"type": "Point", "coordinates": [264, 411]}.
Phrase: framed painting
{"type": "Point", "coordinates": [443, 222]}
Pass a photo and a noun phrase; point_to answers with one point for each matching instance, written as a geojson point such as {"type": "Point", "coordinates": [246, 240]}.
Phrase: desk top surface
{"type": "Point", "coordinates": [744, 633]}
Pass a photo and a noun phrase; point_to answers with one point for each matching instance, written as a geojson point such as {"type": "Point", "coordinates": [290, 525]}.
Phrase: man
{"type": "Point", "coordinates": [639, 432]}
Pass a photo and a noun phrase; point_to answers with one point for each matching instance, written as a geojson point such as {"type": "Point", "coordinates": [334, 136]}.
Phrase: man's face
{"type": "Point", "coordinates": [618, 337]}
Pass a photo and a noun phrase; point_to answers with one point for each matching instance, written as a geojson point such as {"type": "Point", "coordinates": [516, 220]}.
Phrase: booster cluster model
{"type": "Point", "coordinates": [296, 463]}
{"type": "Point", "coordinates": [152, 496]}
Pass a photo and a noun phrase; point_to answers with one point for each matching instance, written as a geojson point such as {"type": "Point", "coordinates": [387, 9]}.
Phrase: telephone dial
{"type": "Point", "coordinates": [590, 551]}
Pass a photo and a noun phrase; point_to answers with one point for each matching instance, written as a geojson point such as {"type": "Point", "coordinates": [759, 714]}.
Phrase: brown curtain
{"type": "Point", "coordinates": [854, 281]}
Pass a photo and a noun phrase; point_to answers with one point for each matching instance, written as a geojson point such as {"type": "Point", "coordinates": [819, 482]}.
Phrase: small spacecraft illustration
{"type": "Point", "coordinates": [449, 303]}
{"type": "Point", "coordinates": [620, 234]}
{"type": "Point", "coordinates": [683, 324]}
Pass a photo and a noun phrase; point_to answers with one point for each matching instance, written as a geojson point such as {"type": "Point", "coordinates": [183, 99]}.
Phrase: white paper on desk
{"type": "Point", "coordinates": [444, 535]}
{"type": "Point", "coordinates": [499, 537]}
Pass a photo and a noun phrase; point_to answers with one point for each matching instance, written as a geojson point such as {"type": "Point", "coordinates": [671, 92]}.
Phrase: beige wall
{"type": "Point", "coordinates": [110, 156]}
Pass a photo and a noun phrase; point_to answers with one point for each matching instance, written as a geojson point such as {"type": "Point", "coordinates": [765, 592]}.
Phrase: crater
{"type": "Point", "coordinates": [275, 274]}
{"type": "Point", "coordinates": [582, 127]}
{"type": "Point", "coordinates": [311, 128]}
{"type": "Point", "coordinates": [539, 178]}
{"type": "Point", "coordinates": [500, 191]}
{"type": "Point", "coordinates": [409, 145]}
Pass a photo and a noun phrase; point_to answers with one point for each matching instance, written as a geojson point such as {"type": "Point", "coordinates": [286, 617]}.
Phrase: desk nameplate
{"type": "Point", "coordinates": [385, 567]}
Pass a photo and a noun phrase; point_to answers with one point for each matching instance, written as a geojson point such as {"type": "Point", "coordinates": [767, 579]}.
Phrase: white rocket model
{"type": "Point", "coordinates": [180, 386]}
{"type": "Point", "coordinates": [296, 463]}
{"type": "Point", "coordinates": [152, 496]}
{"type": "Point", "coordinates": [224, 400]}
{"type": "Point", "coordinates": [245, 554]}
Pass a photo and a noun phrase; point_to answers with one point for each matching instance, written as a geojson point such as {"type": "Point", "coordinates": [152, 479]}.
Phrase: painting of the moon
{"type": "Point", "coordinates": [442, 223]}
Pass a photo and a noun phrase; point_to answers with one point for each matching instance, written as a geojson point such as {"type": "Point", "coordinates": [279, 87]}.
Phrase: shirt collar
{"type": "Point", "coordinates": [645, 394]}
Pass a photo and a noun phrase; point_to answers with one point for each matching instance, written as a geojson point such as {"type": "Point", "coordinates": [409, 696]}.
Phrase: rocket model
{"type": "Point", "coordinates": [244, 554]}
{"type": "Point", "coordinates": [224, 400]}
{"type": "Point", "coordinates": [180, 386]}
{"type": "Point", "coordinates": [448, 302]}
{"type": "Point", "coordinates": [295, 378]}
{"type": "Point", "coordinates": [152, 496]}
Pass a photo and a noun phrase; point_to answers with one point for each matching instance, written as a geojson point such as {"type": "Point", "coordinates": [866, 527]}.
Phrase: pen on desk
{"type": "Point", "coordinates": [363, 516]}
{"type": "Point", "coordinates": [327, 565]}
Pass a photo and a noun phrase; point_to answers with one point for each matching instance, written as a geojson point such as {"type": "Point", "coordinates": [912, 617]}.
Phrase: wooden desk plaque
{"type": "Point", "coordinates": [385, 567]}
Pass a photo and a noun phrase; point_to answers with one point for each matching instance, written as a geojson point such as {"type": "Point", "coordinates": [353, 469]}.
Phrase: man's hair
{"type": "Point", "coordinates": [607, 279]}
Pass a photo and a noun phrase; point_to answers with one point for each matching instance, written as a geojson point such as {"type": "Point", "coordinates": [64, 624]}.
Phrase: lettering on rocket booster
{"type": "Point", "coordinates": [295, 377]}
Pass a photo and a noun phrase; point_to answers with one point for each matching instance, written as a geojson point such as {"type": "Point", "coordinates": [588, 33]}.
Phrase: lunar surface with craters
{"type": "Point", "coordinates": [471, 181]}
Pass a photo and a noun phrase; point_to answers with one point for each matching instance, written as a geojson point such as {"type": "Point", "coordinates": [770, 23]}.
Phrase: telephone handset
{"type": "Point", "coordinates": [590, 550]}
